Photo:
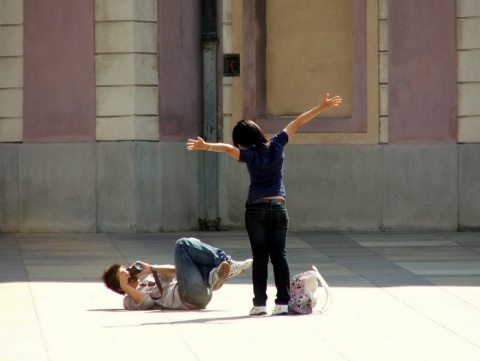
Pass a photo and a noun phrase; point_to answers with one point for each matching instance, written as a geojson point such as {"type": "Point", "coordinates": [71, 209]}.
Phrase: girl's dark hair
{"type": "Point", "coordinates": [111, 280]}
{"type": "Point", "coordinates": [247, 133]}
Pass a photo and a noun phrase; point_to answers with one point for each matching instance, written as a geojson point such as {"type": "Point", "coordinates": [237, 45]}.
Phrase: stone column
{"type": "Point", "coordinates": [468, 53]}
{"type": "Point", "coordinates": [383, 68]}
{"type": "Point", "coordinates": [11, 71]}
{"type": "Point", "coordinates": [126, 70]}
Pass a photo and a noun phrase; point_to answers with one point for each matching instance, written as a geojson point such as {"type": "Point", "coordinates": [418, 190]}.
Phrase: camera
{"type": "Point", "coordinates": [134, 270]}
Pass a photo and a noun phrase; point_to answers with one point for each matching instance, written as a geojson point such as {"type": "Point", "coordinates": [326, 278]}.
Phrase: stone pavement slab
{"type": "Point", "coordinates": [396, 296]}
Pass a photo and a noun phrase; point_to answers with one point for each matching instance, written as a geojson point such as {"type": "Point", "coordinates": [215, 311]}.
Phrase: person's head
{"type": "Point", "coordinates": [247, 133]}
{"type": "Point", "coordinates": [110, 278]}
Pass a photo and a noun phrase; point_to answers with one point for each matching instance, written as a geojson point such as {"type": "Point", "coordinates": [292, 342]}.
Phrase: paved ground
{"type": "Point", "coordinates": [398, 296]}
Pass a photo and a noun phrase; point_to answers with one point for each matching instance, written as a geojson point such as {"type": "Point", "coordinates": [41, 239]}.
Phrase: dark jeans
{"type": "Point", "coordinates": [267, 227]}
{"type": "Point", "coordinates": [193, 262]}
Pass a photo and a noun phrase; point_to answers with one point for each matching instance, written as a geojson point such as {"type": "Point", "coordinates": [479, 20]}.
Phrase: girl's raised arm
{"type": "Point", "coordinates": [200, 144]}
{"type": "Point", "coordinates": [326, 103]}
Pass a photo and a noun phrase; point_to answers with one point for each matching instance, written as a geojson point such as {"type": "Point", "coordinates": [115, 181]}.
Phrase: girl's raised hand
{"type": "Point", "coordinates": [331, 102]}
{"type": "Point", "coordinates": [196, 144]}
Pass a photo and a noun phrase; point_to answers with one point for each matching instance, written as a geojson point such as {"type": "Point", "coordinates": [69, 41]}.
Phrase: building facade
{"type": "Point", "coordinates": [98, 98]}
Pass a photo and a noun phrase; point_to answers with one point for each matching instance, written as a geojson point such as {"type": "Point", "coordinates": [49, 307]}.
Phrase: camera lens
{"type": "Point", "coordinates": [134, 270]}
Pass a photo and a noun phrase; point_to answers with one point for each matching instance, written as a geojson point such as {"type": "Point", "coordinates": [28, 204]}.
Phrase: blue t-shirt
{"type": "Point", "coordinates": [265, 166]}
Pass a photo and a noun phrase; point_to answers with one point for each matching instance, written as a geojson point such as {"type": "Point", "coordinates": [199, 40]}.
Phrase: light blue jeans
{"type": "Point", "coordinates": [193, 262]}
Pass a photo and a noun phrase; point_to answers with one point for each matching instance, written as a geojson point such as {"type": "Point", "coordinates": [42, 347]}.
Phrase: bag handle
{"type": "Point", "coordinates": [328, 298]}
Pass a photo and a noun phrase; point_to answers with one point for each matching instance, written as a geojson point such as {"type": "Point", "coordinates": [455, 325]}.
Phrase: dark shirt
{"type": "Point", "coordinates": [265, 166]}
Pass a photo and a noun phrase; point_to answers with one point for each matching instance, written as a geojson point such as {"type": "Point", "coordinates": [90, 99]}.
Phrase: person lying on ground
{"type": "Point", "coordinates": [199, 269]}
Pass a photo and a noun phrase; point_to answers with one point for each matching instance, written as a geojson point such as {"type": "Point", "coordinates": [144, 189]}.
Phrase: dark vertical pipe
{"type": "Point", "coordinates": [209, 176]}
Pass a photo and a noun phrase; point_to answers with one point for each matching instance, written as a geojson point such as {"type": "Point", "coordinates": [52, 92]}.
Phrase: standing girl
{"type": "Point", "coordinates": [266, 217]}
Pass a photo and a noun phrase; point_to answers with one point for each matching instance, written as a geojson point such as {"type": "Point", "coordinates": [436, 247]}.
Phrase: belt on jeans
{"type": "Point", "coordinates": [274, 201]}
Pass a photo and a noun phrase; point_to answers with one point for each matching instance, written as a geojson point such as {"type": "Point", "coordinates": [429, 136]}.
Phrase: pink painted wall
{"type": "Point", "coordinates": [422, 72]}
{"type": "Point", "coordinates": [59, 71]}
{"type": "Point", "coordinates": [180, 69]}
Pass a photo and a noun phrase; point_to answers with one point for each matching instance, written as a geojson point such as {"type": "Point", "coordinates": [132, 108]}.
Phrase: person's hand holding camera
{"type": "Point", "coordinates": [129, 275]}
{"type": "Point", "coordinates": [124, 278]}
{"type": "Point", "coordinates": [145, 268]}
{"type": "Point", "coordinates": [138, 268]}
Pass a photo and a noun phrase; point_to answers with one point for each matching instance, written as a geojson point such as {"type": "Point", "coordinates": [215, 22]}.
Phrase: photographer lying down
{"type": "Point", "coordinates": [199, 269]}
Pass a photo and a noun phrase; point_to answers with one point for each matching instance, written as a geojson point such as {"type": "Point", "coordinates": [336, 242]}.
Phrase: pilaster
{"type": "Point", "coordinates": [11, 71]}
{"type": "Point", "coordinates": [126, 70]}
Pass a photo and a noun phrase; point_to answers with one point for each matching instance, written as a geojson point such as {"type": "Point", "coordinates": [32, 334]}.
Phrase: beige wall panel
{"type": "Point", "coordinates": [146, 128]}
{"type": "Point", "coordinates": [383, 9]}
{"type": "Point", "coordinates": [309, 53]}
{"type": "Point", "coordinates": [127, 128]}
{"type": "Point", "coordinates": [11, 40]}
{"type": "Point", "coordinates": [466, 8]}
{"type": "Point", "coordinates": [469, 65]}
{"type": "Point", "coordinates": [11, 72]}
{"type": "Point", "coordinates": [11, 103]}
{"type": "Point", "coordinates": [11, 12]}
{"type": "Point", "coordinates": [468, 95]}
{"type": "Point", "coordinates": [114, 37]}
{"type": "Point", "coordinates": [227, 96]}
{"type": "Point", "coordinates": [383, 67]}
{"type": "Point", "coordinates": [372, 134]}
{"type": "Point", "coordinates": [227, 38]}
{"type": "Point", "coordinates": [11, 130]}
{"type": "Point", "coordinates": [125, 37]}
{"type": "Point", "coordinates": [127, 100]}
{"type": "Point", "coordinates": [146, 100]}
{"type": "Point", "coordinates": [383, 130]}
{"type": "Point", "coordinates": [115, 101]}
{"type": "Point", "coordinates": [118, 128]}
{"type": "Point", "coordinates": [109, 10]}
{"type": "Point", "coordinates": [469, 130]}
{"type": "Point", "coordinates": [145, 10]}
{"type": "Point", "coordinates": [383, 99]}
{"type": "Point", "coordinates": [115, 69]}
{"type": "Point", "coordinates": [467, 33]}
{"type": "Point", "coordinates": [126, 69]}
{"type": "Point", "coordinates": [146, 69]}
{"type": "Point", "coordinates": [145, 38]}
{"type": "Point", "coordinates": [383, 36]}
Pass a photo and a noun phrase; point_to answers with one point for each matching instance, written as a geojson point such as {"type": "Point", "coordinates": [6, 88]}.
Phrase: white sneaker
{"type": "Point", "coordinates": [238, 267]}
{"type": "Point", "coordinates": [280, 310]}
{"type": "Point", "coordinates": [258, 311]}
{"type": "Point", "coordinates": [218, 275]}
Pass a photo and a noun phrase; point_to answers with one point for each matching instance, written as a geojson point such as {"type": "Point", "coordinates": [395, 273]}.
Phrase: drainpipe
{"type": "Point", "coordinates": [209, 171]}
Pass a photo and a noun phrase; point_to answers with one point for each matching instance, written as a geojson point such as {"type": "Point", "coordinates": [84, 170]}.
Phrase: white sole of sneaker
{"type": "Point", "coordinates": [260, 313]}
{"type": "Point", "coordinates": [280, 311]}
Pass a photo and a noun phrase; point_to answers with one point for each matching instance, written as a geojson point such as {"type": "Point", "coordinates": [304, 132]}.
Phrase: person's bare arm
{"type": "Point", "coordinates": [166, 270]}
{"type": "Point", "coordinates": [312, 113]}
{"type": "Point", "coordinates": [162, 269]}
{"type": "Point", "coordinates": [200, 144]}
